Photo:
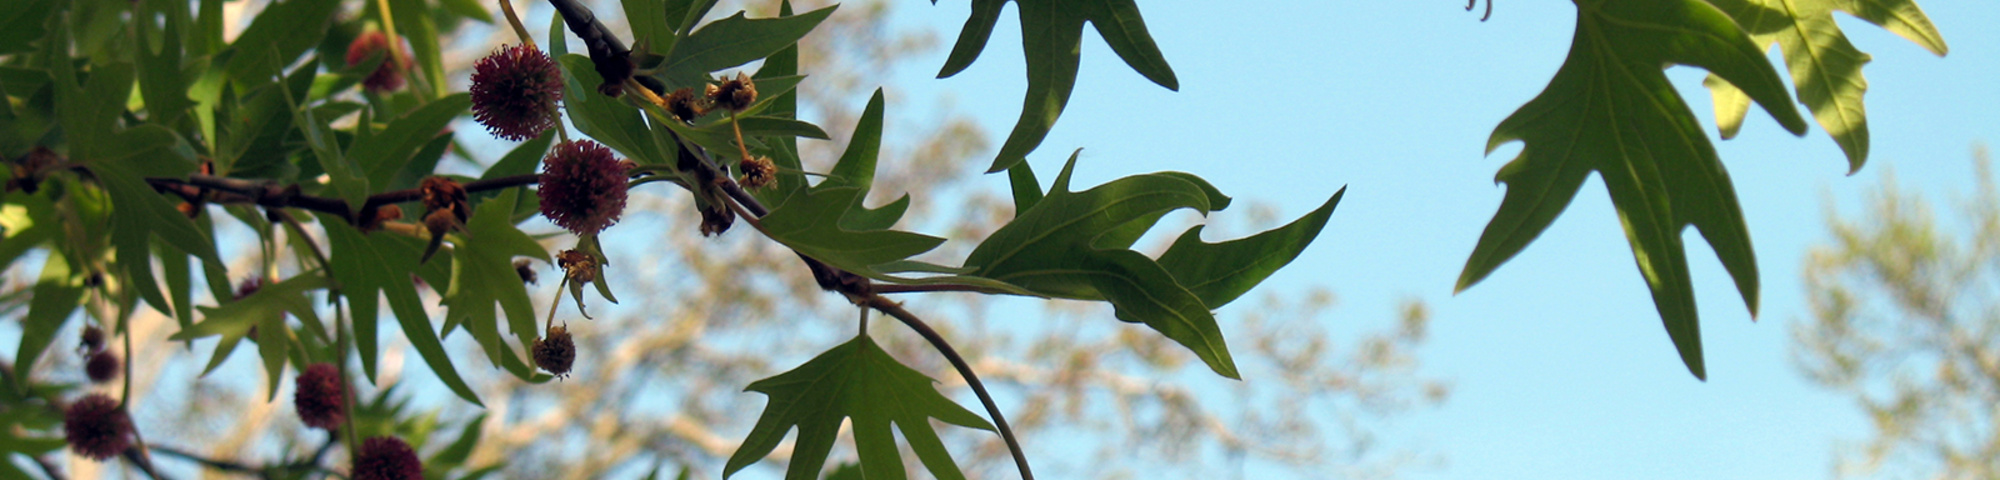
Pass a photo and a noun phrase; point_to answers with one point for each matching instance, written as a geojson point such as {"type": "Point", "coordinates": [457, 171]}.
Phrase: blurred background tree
{"type": "Point", "coordinates": [658, 379]}
{"type": "Point", "coordinates": [1906, 322]}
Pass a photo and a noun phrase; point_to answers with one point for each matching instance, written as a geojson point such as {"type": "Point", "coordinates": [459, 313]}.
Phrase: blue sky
{"type": "Point", "coordinates": [1559, 364]}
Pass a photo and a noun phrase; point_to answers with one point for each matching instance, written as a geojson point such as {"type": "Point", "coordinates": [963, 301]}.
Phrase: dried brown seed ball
{"type": "Point", "coordinates": [101, 367]}
{"type": "Point", "coordinates": [577, 266]}
{"type": "Point", "coordinates": [685, 105]}
{"type": "Point", "coordinates": [735, 94]}
{"type": "Point", "coordinates": [387, 458]}
{"type": "Point", "coordinates": [716, 219]}
{"type": "Point", "coordinates": [515, 91]}
{"type": "Point", "coordinates": [320, 397]}
{"type": "Point", "coordinates": [93, 339]}
{"type": "Point", "coordinates": [758, 172]}
{"type": "Point", "coordinates": [556, 352]}
{"type": "Point", "coordinates": [96, 428]}
{"type": "Point", "coordinates": [526, 269]}
{"type": "Point", "coordinates": [385, 78]}
{"type": "Point", "coordinates": [444, 194]}
{"type": "Point", "coordinates": [582, 187]}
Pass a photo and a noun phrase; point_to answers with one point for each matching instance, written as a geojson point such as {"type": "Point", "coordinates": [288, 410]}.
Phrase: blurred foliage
{"type": "Point", "coordinates": [1906, 322]}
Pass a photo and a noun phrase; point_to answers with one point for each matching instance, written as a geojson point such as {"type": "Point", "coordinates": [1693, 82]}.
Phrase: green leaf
{"type": "Point", "coordinates": [1611, 110]}
{"type": "Point", "coordinates": [1027, 192]}
{"type": "Point", "coordinates": [1825, 67]}
{"type": "Point", "coordinates": [385, 153]}
{"type": "Point", "coordinates": [345, 177]}
{"type": "Point", "coordinates": [603, 118]}
{"type": "Point", "coordinates": [367, 267]}
{"type": "Point", "coordinates": [416, 26]}
{"type": "Point", "coordinates": [473, 9]}
{"type": "Point", "coordinates": [141, 215]}
{"type": "Point", "coordinates": [264, 310]}
{"type": "Point", "coordinates": [275, 37]}
{"type": "Point", "coordinates": [1052, 39]}
{"type": "Point", "coordinates": [1217, 273]}
{"type": "Point", "coordinates": [1074, 245]}
{"type": "Point", "coordinates": [460, 449]}
{"type": "Point", "coordinates": [161, 81]}
{"type": "Point", "coordinates": [812, 223]}
{"type": "Point", "coordinates": [483, 273]}
{"type": "Point", "coordinates": [734, 41]}
{"type": "Point", "coordinates": [23, 24]}
{"type": "Point", "coordinates": [522, 159]}
{"type": "Point", "coordinates": [651, 30]}
{"type": "Point", "coordinates": [829, 222]}
{"type": "Point", "coordinates": [855, 380]}
{"type": "Point", "coordinates": [56, 295]}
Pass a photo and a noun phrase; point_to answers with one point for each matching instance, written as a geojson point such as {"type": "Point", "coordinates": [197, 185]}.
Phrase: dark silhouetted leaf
{"type": "Point", "coordinates": [855, 380]}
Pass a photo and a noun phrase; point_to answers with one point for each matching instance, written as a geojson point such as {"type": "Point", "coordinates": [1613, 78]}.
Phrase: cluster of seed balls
{"type": "Point", "coordinates": [515, 94]}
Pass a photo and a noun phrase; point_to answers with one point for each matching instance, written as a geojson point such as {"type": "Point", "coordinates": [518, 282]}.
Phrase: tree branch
{"type": "Point", "coordinates": [271, 194]}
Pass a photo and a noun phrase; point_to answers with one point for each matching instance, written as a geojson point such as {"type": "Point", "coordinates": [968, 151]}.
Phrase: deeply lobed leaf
{"type": "Point", "coordinates": [1610, 110]}
{"type": "Point", "coordinates": [859, 381]}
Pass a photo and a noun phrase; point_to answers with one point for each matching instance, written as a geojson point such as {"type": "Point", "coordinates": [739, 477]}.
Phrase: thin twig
{"type": "Point", "coordinates": [271, 194]}
{"type": "Point", "coordinates": [964, 370]}
{"type": "Point", "coordinates": [941, 287]}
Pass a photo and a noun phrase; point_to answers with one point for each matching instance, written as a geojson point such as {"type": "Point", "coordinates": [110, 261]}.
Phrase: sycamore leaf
{"type": "Point", "coordinates": [734, 41]}
{"type": "Point", "coordinates": [828, 221]}
{"type": "Point", "coordinates": [1610, 110]}
{"type": "Point", "coordinates": [265, 311]}
{"type": "Point", "coordinates": [1052, 38]}
{"type": "Point", "coordinates": [369, 269]}
{"type": "Point", "coordinates": [482, 273]}
{"type": "Point", "coordinates": [1825, 67]}
{"type": "Point", "coordinates": [855, 380]}
{"type": "Point", "coordinates": [1076, 245]}
{"type": "Point", "coordinates": [56, 295]}
{"type": "Point", "coordinates": [1217, 273]}
{"type": "Point", "coordinates": [382, 154]}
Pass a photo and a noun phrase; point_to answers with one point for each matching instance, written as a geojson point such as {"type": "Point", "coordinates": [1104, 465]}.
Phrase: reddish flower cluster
{"type": "Point", "coordinates": [320, 398]}
{"type": "Point", "coordinates": [582, 187]}
{"type": "Point", "coordinates": [515, 91]}
{"type": "Point", "coordinates": [389, 76]}
{"type": "Point", "coordinates": [96, 428]}
{"type": "Point", "coordinates": [249, 287]}
{"type": "Point", "coordinates": [102, 366]}
{"type": "Point", "coordinates": [386, 458]}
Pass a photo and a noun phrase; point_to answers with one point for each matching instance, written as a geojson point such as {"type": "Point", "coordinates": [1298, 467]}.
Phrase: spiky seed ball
{"type": "Point", "coordinates": [102, 366]}
{"type": "Point", "coordinates": [93, 339]}
{"type": "Point", "coordinates": [555, 352]}
{"type": "Point", "coordinates": [320, 398]}
{"type": "Point", "coordinates": [515, 91]}
{"type": "Point", "coordinates": [735, 94]}
{"type": "Point", "coordinates": [96, 428]}
{"type": "Point", "coordinates": [389, 76]}
{"type": "Point", "coordinates": [685, 105]}
{"type": "Point", "coordinates": [582, 187]}
{"type": "Point", "coordinates": [386, 458]}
